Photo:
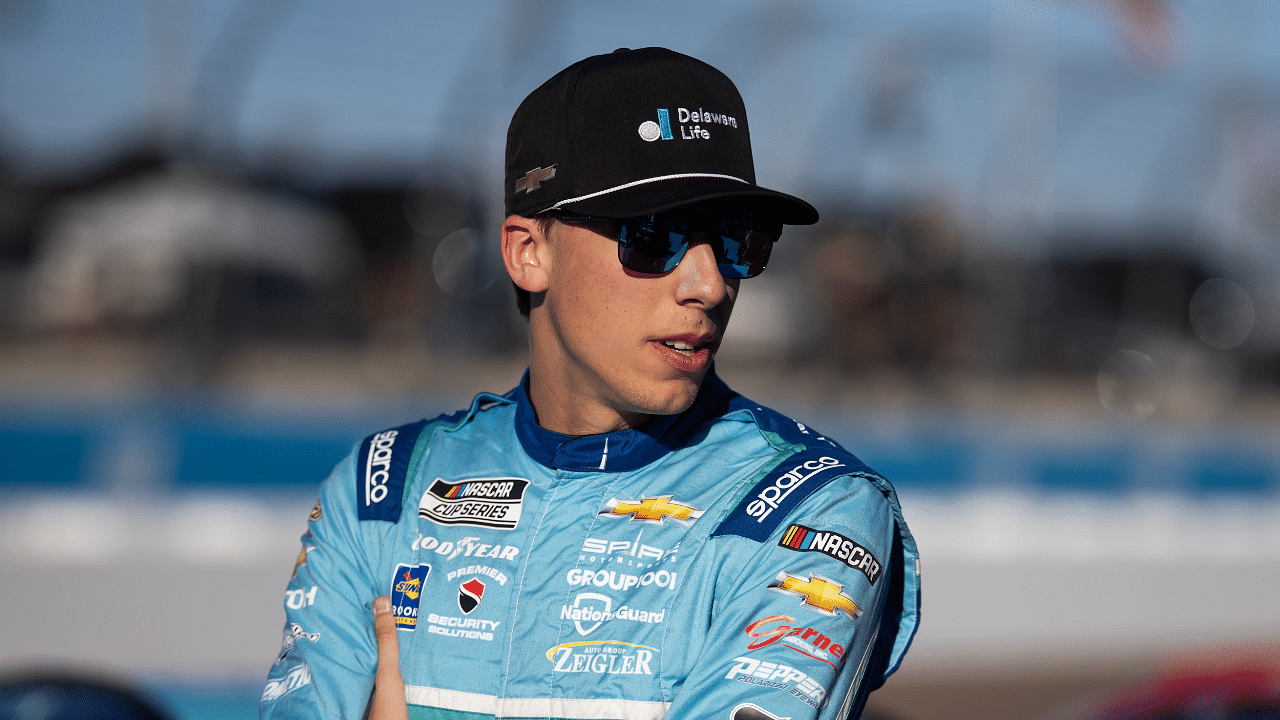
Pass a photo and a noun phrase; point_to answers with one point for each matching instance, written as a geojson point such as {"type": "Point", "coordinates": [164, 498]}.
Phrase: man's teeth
{"type": "Point", "coordinates": [680, 345]}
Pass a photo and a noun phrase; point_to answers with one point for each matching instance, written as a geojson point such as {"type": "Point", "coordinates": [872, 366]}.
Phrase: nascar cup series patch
{"type": "Point", "coordinates": [479, 502]}
{"type": "Point", "coordinates": [406, 593]}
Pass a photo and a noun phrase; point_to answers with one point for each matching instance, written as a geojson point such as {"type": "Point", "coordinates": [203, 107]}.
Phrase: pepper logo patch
{"type": "Point", "coordinates": [833, 545]}
{"type": "Point", "coordinates": [819, 593]}
{"type": "Point", "coordinates": [653, 510]}
{"type": "Point", "coordinates": [479, 502]}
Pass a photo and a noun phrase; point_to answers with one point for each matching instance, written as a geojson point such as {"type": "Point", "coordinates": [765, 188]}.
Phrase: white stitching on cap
{"type": "Point", "coordinates": [647, 180]}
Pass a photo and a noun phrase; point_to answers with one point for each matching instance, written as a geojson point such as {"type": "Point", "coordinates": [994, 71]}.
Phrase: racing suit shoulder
{"type": "Point", "coordinates": [328, 655]}
{"type": "Point", "coordinates": [387, 460]}
{"type": "Point", "coordinates": [802, 500]}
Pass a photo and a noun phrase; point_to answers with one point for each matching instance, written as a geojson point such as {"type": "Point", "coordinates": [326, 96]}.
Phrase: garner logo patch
{"type": "Point", "coordinates": [833, 545]}
{"type": "Point", "coordinates": [481, 502]}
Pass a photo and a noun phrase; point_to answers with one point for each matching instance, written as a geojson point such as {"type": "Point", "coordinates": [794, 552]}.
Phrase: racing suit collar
{"type": "Point", "coordinates": [620, 450]}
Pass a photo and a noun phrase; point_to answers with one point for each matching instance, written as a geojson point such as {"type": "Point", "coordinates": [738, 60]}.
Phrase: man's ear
{"type": "Point", "coordinates": [525, 253]}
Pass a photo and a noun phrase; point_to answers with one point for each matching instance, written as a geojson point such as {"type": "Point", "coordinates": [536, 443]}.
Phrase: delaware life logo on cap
{"type": "Point", "coordinates": [651, 131]}
{"type": "Point", "coordinates": [406, 593]}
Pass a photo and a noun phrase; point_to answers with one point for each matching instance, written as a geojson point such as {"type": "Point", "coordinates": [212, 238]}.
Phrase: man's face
{"type": "Point", "coordinates": [618, 340]}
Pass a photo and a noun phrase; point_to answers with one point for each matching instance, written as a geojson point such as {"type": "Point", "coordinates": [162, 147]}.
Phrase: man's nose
{"type": "Point", "coordinates": [699, 275]}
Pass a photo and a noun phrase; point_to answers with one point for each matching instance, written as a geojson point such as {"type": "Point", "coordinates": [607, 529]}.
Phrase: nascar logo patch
{"type": "Point", "coordinates": [834, 545]}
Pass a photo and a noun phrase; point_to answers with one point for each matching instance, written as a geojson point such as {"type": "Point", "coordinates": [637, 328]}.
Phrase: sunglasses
{"type": "Point", "coordinates": [655, 244]}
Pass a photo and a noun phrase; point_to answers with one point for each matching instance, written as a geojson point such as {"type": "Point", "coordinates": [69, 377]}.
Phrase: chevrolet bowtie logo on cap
{"type": "Point", "coordinates": [817, 592]}
{"type": "Point", "coordinates": [533, 179]}
{"type": "Point", "coordinates": [653, 510]}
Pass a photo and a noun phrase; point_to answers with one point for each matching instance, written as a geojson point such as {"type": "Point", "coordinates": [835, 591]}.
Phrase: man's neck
{"type": "Point", "coordinates": [563, 413]}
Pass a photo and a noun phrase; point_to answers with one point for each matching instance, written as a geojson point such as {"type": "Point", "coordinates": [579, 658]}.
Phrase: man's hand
{"type": "Point", "coordinates": [388, 701]}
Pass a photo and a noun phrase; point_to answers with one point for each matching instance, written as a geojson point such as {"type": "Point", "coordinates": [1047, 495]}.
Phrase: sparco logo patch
{"type": "Point", "coordinates": [771, 497]}
{"type": "Point", "coordinates": [480, 502]}
{"type": "Point", "coordinates": [381, 469]}
{"type": "Point", "coordinates": [834, 545]}
{"type": "Point", "coordinates": [377, 466]}
{"type": "Point", "coordinates": [776, 492]}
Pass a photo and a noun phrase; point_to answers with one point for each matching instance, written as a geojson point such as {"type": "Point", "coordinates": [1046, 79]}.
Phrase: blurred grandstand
{"type": "Point", "coordinates": [1044, 299]}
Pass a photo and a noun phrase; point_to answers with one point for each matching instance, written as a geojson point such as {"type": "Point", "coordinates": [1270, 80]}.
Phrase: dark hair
{"type": "Point", "coordinates": [523, 299]}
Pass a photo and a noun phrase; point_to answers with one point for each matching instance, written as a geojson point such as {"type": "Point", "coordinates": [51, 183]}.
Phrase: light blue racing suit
{"type": "Point", "coordinates": [723, 563]}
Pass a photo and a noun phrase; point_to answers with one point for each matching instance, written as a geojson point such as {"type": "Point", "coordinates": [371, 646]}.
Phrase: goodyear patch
{"type": "Point", "coordinates": [381, 469]}
{"type": "Point", "coordinates": [406, 593]}
{"type": "Point", "coordinates": [316, 512]}
{"type": "Point", "coordinates": [834, 545]}
{"type": "Point", "coordinates": [776, 494]}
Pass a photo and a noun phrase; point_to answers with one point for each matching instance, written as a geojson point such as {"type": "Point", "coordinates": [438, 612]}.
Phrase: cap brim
{"type": "Point", "coordinates": [644, 198]}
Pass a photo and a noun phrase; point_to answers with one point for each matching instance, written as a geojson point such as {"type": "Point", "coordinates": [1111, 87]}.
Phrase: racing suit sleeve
{"type": "Point", "coordinates": [796, 626]}
{"type": "Point", "coordinates": [328, 655]}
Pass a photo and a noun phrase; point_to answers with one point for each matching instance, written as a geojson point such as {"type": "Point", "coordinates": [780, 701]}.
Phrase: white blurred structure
{"type": "Point", "coordinates": [128, 252]}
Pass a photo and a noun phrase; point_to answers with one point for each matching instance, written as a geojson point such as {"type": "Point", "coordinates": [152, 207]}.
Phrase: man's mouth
{"type": "Point", "coordinates": [682, 347]}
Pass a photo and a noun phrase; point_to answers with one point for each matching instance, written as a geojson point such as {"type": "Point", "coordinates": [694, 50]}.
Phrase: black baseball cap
{"type": "Point", "coordinates": [636, 132]}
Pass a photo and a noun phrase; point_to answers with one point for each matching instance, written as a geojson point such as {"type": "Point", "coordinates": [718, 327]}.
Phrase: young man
{"type": "Point", "coordinates": [620, 536]}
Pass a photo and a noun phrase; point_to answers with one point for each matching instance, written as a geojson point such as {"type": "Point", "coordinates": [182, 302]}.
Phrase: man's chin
{"type": "Point", "coordinates": [675, 396]}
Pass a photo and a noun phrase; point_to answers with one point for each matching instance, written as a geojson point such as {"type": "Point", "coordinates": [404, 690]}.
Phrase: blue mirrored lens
{"type": "Point", "coordinates": [656, 244]}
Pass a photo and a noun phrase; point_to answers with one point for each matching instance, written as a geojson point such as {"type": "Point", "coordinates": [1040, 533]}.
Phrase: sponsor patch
{"type": "Point", "coordinates": [297, 677]}
{"type": "Point", "coordinates": [620, 581]}
{"type": "Point", "coordinates": [300, 598]}
{"type": "Point", "coordinates": [591, 610]}
{"type": "Point", "coordinates": [480, 502]}
{"type": "Point", "coordinates": [632, 552]}
{"type": "Point", "coordinates": [468, 546]}
{"type": "Point", "coordinates": [292, 634]}
{"type": "Point", "coordinates": [817, 593]}
{"type": "Point", "coordinates": [751, 711]}
{"type": "Point", "coordinates": [780, 490]}
{"type": "Point", "coordinates": [316, 512]}
{"type": "Point", "coordinates": [470, 593]}
{"type": "Point", "coordinates": [653, 510]}
{"type": "Point", "coordinates": [462, 627]}
{"type": "Point", "coordinates": [777, 675]}
{"type": "Point", "coordinates": [382, 465]}
{"type": "Point", "coordinates": [302, 556]}
{"type": "Point", "coordinates": [833, 545]}
{"type": "Point", "coordinates": [607, 657]}
{"type": "Point", "coordinates": [484, 570]}
{"type": "Point", "coordinates": [533, 179]}
{"type": "Point", "coordinates": [406, 593]}
{"type": "Point", "coordinates": [804, 640]}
